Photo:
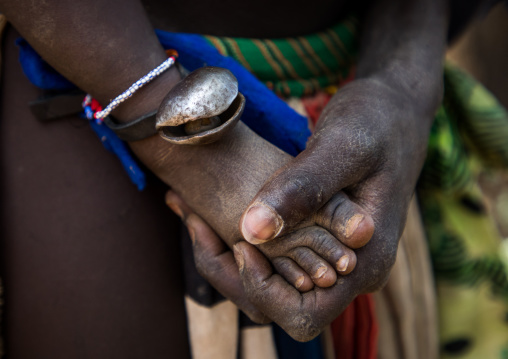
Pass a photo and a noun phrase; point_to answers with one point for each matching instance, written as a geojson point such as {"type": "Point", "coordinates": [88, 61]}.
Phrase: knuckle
{"type": "Point", "coordinates": [368, 145]}
{"type": "Point", "coordinates": [273, 248]}
{"type": "Point", "coordinates": [201, 264]}
{"type": "Point", "coordinates": [209, 269]}
{"type": "Point", "coordinates": [302, 328]}
{"type": "Point", "coordinates": [303, 192]}
{"type": "Point", "coordinates": [305, 321]}
{"type": "Point", "coordinates": [334, 206]}
{"type": "Point", "coordinates": [380, 272]}
{"type": "Point", "coordinates": [258, 291]}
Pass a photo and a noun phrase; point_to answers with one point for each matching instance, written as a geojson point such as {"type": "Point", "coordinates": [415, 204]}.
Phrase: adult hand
{"type": "Point", "coordinates": [246, 278]}
{"type": "Point", "coordinates": [370, 143]}
{"type": "Point", "coordinates": [251, 283]}
{"type": "Point", "coordinates": [214, 260]}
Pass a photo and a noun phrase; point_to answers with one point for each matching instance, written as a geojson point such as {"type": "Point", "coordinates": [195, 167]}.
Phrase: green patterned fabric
{"type": "Point", "coordinates": [470, 124]}
{"type": "Point", "coordinates": [469, 136]}
{"type": "Point", "coordinates": [296, 66]}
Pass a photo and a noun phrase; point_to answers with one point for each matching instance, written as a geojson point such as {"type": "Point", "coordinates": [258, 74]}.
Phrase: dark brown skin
{"type": "Point", "coordinates": [370, 143]}
{"type": "Point", "coordinates": [373, 137]}
{"type": "Point", "coordinates": [246, 176]}
{"type": "Point", "coordinates": [98, 73]}
{"type": "Point", "coordinates": [373, 134]}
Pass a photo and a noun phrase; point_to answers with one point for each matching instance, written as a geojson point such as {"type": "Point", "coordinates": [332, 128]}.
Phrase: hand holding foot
{"type": "Point", "coordinates": [360, 168]}
{"type": "Point", "coordinates": [306, 257]}
{"type": "Point", "coordinates": [219, 180]}
{"type": "Point", "coordinates": [245, 276]}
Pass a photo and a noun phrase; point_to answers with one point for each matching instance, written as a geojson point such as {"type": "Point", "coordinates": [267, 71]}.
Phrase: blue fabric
{"type": "Point", "coordinates": [38, 71]}
{"type": "Point", "coordinates": [288, 348]}
{"type": "Point", "coordinates": [45, 77]}
{"type": "Point", "coordinates": [265, 113]}
{"type": "Point", "coordinates": [115, 145]}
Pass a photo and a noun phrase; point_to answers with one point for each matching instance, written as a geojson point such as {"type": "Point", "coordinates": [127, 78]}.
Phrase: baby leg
{"type": "Point", "coordinates": [219, 180]}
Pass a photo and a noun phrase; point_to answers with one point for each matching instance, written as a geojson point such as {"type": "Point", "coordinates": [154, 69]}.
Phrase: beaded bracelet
{"type": "Point", "coordinates": [99, 115]}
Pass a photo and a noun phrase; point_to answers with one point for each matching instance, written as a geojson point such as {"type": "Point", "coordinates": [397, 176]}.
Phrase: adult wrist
{"type": "Point", "coordinates": [147, 99]}
{"type": "Point", "coordinates": [422, 89]}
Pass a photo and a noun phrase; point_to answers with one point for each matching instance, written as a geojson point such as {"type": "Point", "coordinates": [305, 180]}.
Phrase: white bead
{"type": "Point", "coordinates": [132, 89]}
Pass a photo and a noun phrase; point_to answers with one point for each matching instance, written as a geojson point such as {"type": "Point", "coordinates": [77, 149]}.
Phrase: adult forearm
{"type": "Point", "coordinates": [105, 46]}
{"type": "Point", "coordinates": [101, 46]}
{"type": "Point", "coordinates": [217, 180]}
{"type": "Point", "coordinates": [403, 45]}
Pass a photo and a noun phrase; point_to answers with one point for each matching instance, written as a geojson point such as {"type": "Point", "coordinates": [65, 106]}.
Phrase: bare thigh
{"type": "Point", "coordinates": [91, 267]}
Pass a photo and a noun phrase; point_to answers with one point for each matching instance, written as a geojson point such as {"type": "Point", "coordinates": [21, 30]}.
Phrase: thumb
{"type": "Point", "coordinates": [277, 299]}
{"type": "Point", "coordinates": [294, 193]}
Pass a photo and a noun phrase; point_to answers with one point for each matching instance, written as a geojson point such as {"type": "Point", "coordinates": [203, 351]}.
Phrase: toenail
{"type": "Point", "coordinates": [299, 282]}
{"type": "Point", "coordinates": [320, 272]}
{"type": "Point", "coordinates": [260, 224]}
{"type": "Point", "coordinates": [342, 263]}
{"type": "Point", "coordinates": [176, 209]}
{"type": "Point", "coordinates": [240, 259]}
{"type": "Point", "coordinates": [352, 224]}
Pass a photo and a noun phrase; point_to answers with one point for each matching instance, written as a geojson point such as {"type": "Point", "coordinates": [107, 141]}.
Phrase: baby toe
{"type": "Point", "coordinates": [293, 273]}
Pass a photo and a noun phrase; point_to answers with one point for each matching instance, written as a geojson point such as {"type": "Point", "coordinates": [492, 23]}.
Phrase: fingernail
{"type": "Point", "coordinates": [176, 209]}
{"type": "Point", "coordinates": [320, 272]}
{"type": "Point", "coordinates": [342, 263]}
{"type": "Point", "coordinates": [239, 258]}
{"type": "Point", "coordinates": [260, 224]}
{"type": "Point", "coordinates": [352, 224]}
{"type": "Point", "coordinates": [192, 234]}
{"type": "Point", "coordinates": [299, 281]}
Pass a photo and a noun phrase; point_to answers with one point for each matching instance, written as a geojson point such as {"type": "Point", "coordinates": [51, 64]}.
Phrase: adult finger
{"type": "Point", "coordinates": [214, 261]}
{"type": "Point", "coordinates": [177, 205]}
{"type": "Point", "coordinates": [301, 315]}
{"type": "Point", "coordinates": [304, 315]}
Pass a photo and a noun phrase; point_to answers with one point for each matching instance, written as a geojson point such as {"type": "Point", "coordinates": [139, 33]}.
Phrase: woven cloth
{"type": "Point", "coordinates": [296, 66]}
